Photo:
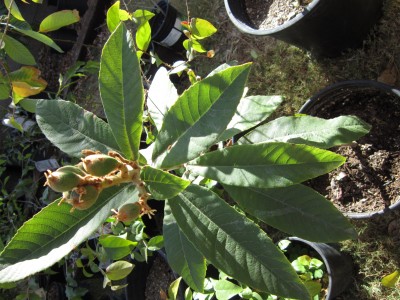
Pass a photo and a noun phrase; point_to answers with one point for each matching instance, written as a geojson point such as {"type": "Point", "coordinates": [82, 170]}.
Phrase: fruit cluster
{"type": "Point", "coordinates": [82, 184]}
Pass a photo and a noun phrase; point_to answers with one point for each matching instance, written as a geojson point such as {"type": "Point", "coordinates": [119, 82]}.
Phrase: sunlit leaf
{"type": "Point", "coordinates": [59, 19]}
{"type": "Point", "coordinates": [53, 232]}
{"type": "Point", "coordinates": [162, 185]}
{"type": "Point", "coordinates": [199, 116]}
{"type": "Point", "coordinates": [234, 244]}
{"type": "Point", "coordinates": [201, 28]}
{"type": "Point", "coordinates": [297, 210]}
{"type": "Point", "coordinates": [121, 91]}
{"type": "Point", "coordinates": [309, 130]}
{"type": "Point", "coordinates": [265, 165]}
{"type": "Point", "coordinates": [12, 6]}
{"type": "Point", "coordinates": [26, 82]}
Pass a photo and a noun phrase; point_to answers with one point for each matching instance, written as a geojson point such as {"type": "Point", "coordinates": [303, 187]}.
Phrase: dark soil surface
{"type": "Point", "coordinates": [267, 14]}
{"type": "Point", "coordinates": [370, 178]}
{"type": "Point", "coordinates": [158, 280]}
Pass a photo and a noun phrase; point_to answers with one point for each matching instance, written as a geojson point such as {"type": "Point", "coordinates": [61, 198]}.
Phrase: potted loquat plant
{"type": "Point", "coordinates": [190, 152]}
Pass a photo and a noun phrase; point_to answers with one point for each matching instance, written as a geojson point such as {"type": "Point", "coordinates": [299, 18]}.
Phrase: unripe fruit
{"type": "Point", "coordinates": [74, 169]}
{"type": "Point", "coordinates": [62, 181]}
{"type": "Point", "coordinates": [129, 212]}
{"type": "Point", "coordinates": [82, 198]}
{"type": "Point", "coordinates": [100, 164]}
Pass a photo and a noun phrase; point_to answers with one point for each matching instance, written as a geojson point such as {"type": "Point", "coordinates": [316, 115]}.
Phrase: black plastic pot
{"type": "Point", "coordinates": [339, 266]}
{"type": "Point", "coordinates": [345, 92]}
{"type": "Point", "coordinates": [65, 38]}
{"type": "Point", "coordinates": [166, 27]}
{"type": "Point", "coordinates": [80, 5]}
{"type": "Point", "coordinates": [325, 27]}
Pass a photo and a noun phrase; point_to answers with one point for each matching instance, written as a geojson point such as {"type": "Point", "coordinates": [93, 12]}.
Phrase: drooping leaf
{"type": "Point", "coordinates": [183, 256]}
{"type": "Point", "coordinates": [265, 165]}
{"type": "Point", "coordinates": [250, 112]}
{"type": "Point", "coordinates": [119, 270]}
{"type": "Point", "coordinates": [201, 28]}
{"type": "Point", "coordinates": [199, 116]}
{"type": "Point", "coordinates": [26, 81]}
{"type": "Point", "coordinates": [13, 8]}
{"type": "Point", "coordinates": [391, 280]}
{"type": "Point", "coordinates": [18, 52]}
{"type": "Point", "coordinates": [161, 96]}
{"type": "Point", "coordinates": [38, 36]}
{"type": "Point", "coordinates": [59, 19]}
{"type": "Point", "coordinates": [297, 210]}
{"type": "Point", "coordinates": [116, 247]}
{"type": "Point", "coordinates": [309, 130]}
{"type": "Point", "coordinates": [121, 91]}
{"type": "Point", "coordinates": [162, 185]}
{"type": "Point", "coordinates": [234, 244]}
{"type": "Point", "coordinates": [73, 129]}
{"type": "Point", "coordinates": [53, 232]}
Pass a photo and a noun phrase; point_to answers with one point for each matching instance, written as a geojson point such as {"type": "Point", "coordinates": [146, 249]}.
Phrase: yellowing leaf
{"type": "Point", "coordinates": [391, 279]}
{"type": "Point", "coordinates": [27, 82]}
{"type": "Point", "coordinates": [59, 19]}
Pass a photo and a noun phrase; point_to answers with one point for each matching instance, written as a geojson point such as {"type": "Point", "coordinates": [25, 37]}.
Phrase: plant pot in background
{"type": "Point", "coordinates": [339, 266]}
{"type": "Point", "coordinates": [325, 27]}
{"type": "Point", "coordinates": [166, 27]}
{"type": "Point", "coordinates": [367, 184]}
{"type": "Point", "coordinates": [80, 5]}
{"type": "Point", "coordinates": [65, 38]}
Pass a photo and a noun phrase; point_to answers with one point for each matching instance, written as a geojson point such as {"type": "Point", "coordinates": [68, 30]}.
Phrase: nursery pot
{"type": "Point", "coordinates": [325, 27]}
{"type": "Point", "coordinates": [339, 266]}
{"type": "Point", "coordinates": [166, 27]}
{"type": "Point", "coordinates": [65, 38]}
{"type": "Point", "coordinates": [339, 99]}
{"type": "Point", "coordinates": [80, 5]}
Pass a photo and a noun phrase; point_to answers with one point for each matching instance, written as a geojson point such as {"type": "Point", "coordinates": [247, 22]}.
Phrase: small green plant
{"type": "Point", "coordinates": [25, 81]}
{"type": "Point", "coordinates": [193, 131]}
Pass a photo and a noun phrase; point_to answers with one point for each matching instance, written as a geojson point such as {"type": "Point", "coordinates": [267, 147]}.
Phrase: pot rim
{"type": "Point", "coordinates": [361, 83]}
{"type": "Point", "coordinates": [314, 246]}
{"type": "Point", "coordinates": [246, 28]}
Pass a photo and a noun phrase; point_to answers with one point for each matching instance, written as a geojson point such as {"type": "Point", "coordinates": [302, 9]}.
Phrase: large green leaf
{"type": "Point", "coordinates": [234, 244]}
{"type": "Point", "coordinates": [265, 165]}
{"type": "Point", "coordinates": [73, 129]}
{"type": "Point", "coordinates": [161, 96]}
{"type": "Point", "coordinates": [309, 130]}
{"type": "Point", "coordinates": [121, 90]}
{"type": "Point", "coordinates": [18, 52]}
{"type": "Point", "coordinates": [297, 210]}
{"type": "Point", "coordinates": [250, 112]}
{"type": "Point", "coordinates": [54, 232]}
{"type": "Point", "coordinates": [199, 116]}
{"type": "Point", "coordinates": [182, 255]}
{"type": "Point", "coordinates": [162, 185]}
